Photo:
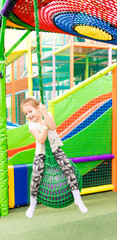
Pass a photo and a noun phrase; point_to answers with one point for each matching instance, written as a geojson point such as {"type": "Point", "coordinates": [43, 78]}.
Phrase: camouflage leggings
{"type": "Point", "coordinates": [38, 169]}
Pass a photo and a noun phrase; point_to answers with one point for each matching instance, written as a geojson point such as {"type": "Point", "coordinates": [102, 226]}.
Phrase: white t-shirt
{"type": "Point", "coordinates": [53, 138]}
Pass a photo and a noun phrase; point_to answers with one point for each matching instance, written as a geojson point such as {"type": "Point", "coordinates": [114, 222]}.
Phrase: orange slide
{"type": "Point", "coordinates": [82, 111]}
{"type": "Point", "coordinates": [80, 119]}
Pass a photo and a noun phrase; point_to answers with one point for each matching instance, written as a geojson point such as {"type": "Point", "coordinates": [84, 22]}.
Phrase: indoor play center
{"type": "Point", "coordinates": [64, 53]}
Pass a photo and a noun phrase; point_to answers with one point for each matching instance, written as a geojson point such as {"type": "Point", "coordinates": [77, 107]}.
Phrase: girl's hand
{"type": "Point", "coordinates": [48, 118]}
{"type": "Point", "coordinates": [44, 125]}
{"type": "Point", "coordinates": [42, 109]}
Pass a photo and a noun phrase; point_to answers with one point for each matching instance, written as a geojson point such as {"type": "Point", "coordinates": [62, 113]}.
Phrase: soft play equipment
{"type": "Point", "coordinates": [92, 115]}
{"type": "Point", "coordinates": [89, 19]}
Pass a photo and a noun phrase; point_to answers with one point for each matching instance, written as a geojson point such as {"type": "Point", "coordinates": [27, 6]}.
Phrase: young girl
{"type": "Point", "coordinates": [41, 124]}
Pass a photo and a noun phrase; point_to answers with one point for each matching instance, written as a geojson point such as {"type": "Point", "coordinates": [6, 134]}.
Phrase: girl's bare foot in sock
{"type": "Point", "coordinates": [31, 209]}
{"type": "Point", "coordinates": [78, 201]}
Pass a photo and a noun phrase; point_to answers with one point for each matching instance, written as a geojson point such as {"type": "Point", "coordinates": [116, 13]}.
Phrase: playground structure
{"type": "Point", "coordinates": [67, 112]}
{"type": "Point", "coordinates": [70, 63]}
{"type": "Point", "coordinates": [85, 127]}
{"type": "Point", "coordinates": [22, 77]}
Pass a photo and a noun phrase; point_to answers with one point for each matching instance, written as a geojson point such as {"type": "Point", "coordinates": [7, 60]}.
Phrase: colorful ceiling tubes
{"type": "Point", "coordinates": [92, 19]}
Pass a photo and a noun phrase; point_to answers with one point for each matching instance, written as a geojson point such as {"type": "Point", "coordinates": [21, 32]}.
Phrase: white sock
{"type": "Point", "coordinates": [78, 201]}
{"type": "Point", "coordinates": [31, 209]}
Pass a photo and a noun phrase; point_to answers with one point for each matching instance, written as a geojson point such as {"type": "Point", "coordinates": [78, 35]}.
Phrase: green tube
{"type": "Point", "coordinates": [38, 49]}
{"type": "Point", "coordinates": [3, 146]}
{"type": "Point", "coordinates": [17, 43]}
{"type": "Point", "coordinates": [3, 136]}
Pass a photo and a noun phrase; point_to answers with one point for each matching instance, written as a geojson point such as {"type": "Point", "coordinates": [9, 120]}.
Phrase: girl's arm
{"type": "Point", "coordinates": [49, 120]}
{"type": "Point", "coordinates": [40, 136]}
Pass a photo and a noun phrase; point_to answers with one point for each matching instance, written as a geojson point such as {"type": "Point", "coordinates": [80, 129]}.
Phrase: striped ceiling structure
{"type": "Point", "coordinates": [92, 19]}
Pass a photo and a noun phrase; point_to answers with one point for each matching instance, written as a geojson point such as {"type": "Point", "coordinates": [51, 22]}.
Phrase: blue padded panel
{"type": "Point", "coordinates": [21, 184]}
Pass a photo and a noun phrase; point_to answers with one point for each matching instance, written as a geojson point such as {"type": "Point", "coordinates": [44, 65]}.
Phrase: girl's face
{"type": "Point", "coordinates": [32, 113]}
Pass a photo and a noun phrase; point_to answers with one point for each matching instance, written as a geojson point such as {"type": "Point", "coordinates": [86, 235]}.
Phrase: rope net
{"type": "Point", "coordinates": [93, 19]}
{"type": "Point", "coordinates": [54, 190]}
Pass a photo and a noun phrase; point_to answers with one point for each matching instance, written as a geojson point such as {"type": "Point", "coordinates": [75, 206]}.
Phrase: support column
{"type": "Point", "coordinates": [114, 128]}
{"type": "Point", "coordinates": [30, 85]}
{"type": "Point", "coordinates": [87, 67]}
{"type": "Point", "coordinates": [109, 57]}
{"type": "Point", "coordinates": [13, 95]}
{"type": "Point", "coordinates": [71, 62]}
{"type": "Point", "coordinates": [3, 136]}
{"type": "Point", "coordinates": [53, 67]}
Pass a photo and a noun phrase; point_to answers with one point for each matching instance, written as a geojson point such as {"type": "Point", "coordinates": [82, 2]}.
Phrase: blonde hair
{"type": "Point", "coordinates": [30, 101]}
